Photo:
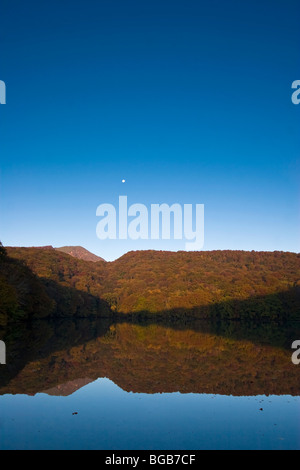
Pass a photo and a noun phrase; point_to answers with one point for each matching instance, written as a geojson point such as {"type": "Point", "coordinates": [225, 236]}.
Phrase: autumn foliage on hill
{"type": "Point", "coordinates": [225, 284]}
{"type": "Point", "coordinates": [21, 292]}
{"type": "Point", "coordinates": [221, 280]}
{"type": "Point", "coordinates": [25, 295]}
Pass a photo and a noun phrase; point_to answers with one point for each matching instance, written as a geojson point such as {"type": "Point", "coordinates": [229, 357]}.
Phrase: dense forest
{"type": "Point", "coordinates": [25, 295]}
{"type": "Point", "coordinates": [225, 284]}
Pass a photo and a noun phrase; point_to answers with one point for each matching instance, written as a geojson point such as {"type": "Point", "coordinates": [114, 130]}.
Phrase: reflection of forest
{"type": "Point", "coordinates": [231, 358]}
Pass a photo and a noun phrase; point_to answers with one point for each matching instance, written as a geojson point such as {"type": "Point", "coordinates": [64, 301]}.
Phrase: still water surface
{"type": "Point", "coordinates": [195, 385]}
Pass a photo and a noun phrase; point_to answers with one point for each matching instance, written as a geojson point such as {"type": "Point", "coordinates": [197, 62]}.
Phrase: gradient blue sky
{"type": "Point", "coordinates": [189, 101]}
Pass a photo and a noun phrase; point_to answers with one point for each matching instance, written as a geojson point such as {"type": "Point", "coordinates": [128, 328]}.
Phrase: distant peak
{"type": "Point", "coordinates": [80, 253]}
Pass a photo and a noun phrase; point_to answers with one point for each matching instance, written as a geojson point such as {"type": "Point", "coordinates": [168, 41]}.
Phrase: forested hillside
{"type": "Point", "coordinates": [223, 282]}
{"type": "Point", "coordinates": [26, 294]}
{"type": "Point", "coordinates": [22, 294]}
{"type": "Point", "coordinates": [227, 284]}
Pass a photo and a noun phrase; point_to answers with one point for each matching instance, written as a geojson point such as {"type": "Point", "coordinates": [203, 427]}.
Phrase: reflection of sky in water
{"type": "Point", "coordinates": [109, 418]}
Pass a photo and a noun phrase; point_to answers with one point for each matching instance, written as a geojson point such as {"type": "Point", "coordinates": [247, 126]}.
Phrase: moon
{"type": "Point", "coordinates": [123, 181]}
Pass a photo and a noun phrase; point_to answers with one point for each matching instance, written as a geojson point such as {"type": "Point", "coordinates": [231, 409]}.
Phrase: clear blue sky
{"type": "Point", "coordinates": [188, 101]}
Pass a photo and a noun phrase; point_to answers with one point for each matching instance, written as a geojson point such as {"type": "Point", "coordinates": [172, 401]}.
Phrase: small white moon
{"type": "Point", "coordinates": [123, 181]}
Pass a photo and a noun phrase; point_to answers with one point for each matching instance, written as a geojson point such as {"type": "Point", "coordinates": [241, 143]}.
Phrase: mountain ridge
{"type": "Point", "coordinates": [224, 283]}
{"type": "Point", "coordinates": [80, 252]}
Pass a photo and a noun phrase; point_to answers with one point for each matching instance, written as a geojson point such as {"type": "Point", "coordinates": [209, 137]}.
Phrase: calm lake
{"type": "Point", "coordinates": [143, 385]}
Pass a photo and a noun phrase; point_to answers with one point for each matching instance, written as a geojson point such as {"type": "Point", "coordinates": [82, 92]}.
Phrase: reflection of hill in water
{"type": "Point", "coordinates": [226, 358]}
{"type": "Point", "coordinates": [67, 388]}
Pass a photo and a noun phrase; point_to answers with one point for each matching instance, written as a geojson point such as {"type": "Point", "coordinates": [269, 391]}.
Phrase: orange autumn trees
{"type": "Point", "coordinates": [225, 284]}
